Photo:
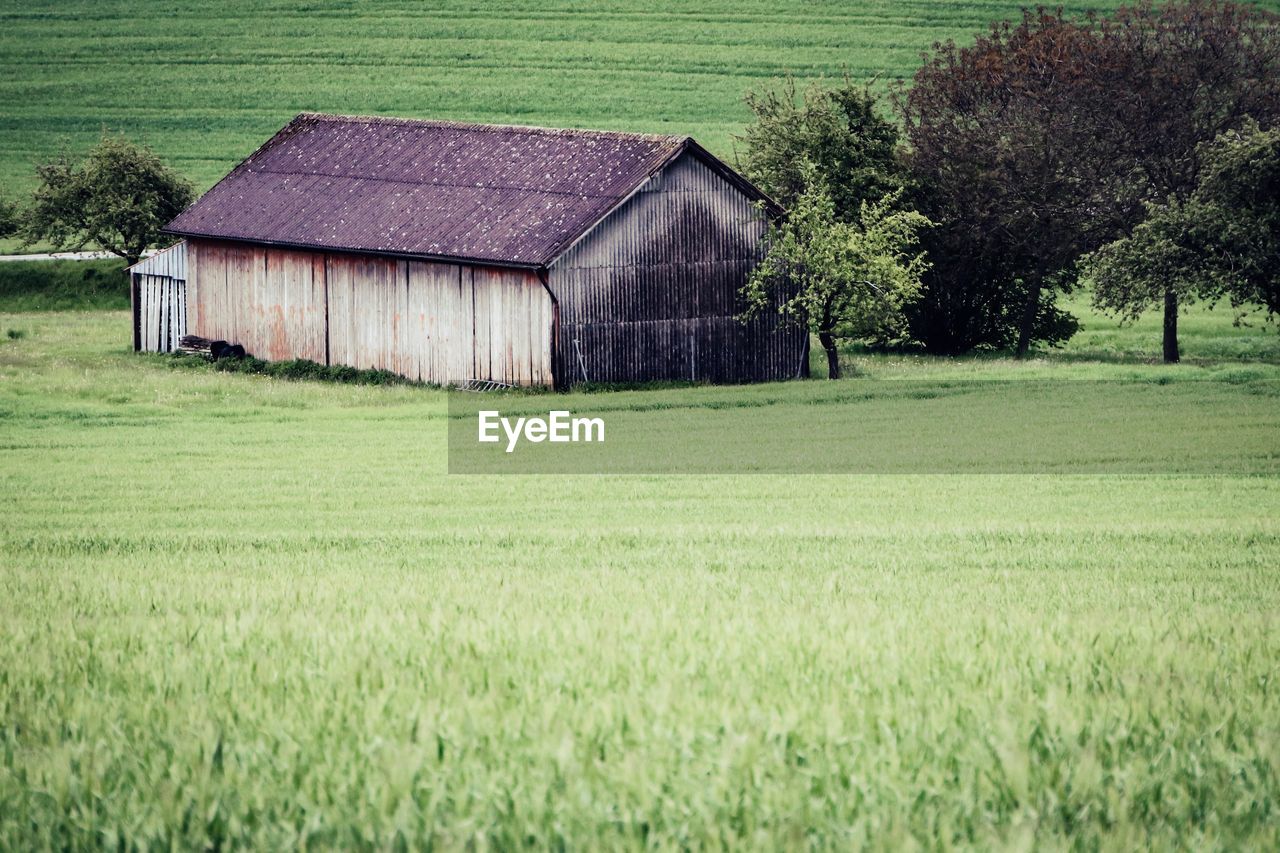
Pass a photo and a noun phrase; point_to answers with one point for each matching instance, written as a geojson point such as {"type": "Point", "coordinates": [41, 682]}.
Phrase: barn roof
{"type": "Point", "coordinates": [503, 195]}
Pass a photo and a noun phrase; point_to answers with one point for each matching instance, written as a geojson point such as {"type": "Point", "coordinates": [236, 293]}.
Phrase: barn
{"type": "Point", "coordinates": [451, 253]}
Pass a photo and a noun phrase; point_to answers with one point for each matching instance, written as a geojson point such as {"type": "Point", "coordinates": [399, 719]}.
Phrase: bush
{"type": "Point", "coordinates": [298, 370]}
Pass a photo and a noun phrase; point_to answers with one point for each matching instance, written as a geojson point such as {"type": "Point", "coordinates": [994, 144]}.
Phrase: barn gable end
{"type": "Point", "coordinates": [652, 291]}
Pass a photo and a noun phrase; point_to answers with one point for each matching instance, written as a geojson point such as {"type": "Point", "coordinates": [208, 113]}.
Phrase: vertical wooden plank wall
{"type": "Point", "coordinates": [162, 312]}
{"type": "Point", "coordinates": [652, 292]}
{"type": "Point", "coordinates": [290, 308]}
{"type": "Point", "coordinates": [513, 319]}
{"type": "Point", "coordinates": [435, 322]}
{"type": "Point", "coordinates": [159, 293]}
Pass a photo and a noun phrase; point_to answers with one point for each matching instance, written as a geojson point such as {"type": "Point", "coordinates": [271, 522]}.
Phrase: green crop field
{"type": "Point", "coordinates": [237, 611]}
{"type": "Point", "coordinates": [206, 83]}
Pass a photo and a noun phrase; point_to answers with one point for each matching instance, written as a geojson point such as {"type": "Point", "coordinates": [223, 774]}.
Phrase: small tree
{"type": "Point", "coordinates": [117, 199]}
{"type": "Point", "coordinates": [840, 280]}
{"type": "Point", "coordinates": [839, 132]}
{"type": "Point", "coordinates": [1222, 242]}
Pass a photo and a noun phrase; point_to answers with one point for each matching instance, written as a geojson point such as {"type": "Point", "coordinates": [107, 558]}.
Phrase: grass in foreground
{"type": "Point", "coordinates": [244, 611]}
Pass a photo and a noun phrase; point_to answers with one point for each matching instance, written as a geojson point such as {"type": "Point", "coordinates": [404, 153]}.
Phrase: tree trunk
{"type": "Point", "coordinates": [1171, 355]}
{"type": "Point", "coordinates": [833, 356]}
{"type": "Point", "coordinates": [1028, 319]}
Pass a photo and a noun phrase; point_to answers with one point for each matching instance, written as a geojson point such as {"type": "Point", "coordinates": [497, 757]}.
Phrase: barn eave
{"type": "Point", "coordinates": [376, 253]}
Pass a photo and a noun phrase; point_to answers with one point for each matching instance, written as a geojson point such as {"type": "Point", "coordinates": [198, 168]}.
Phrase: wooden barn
{"type": "Point", "coordinates": [452, 252]}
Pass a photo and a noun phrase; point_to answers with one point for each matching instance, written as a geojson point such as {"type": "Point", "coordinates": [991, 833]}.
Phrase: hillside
{"type": "Point", "coordinates": [204, 83]}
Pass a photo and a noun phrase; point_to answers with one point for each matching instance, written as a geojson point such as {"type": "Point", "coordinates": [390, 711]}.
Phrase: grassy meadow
{"type": "Point", "coordinates": [238, 611]}
{"type": "Point", "coordinates": [206, 83]}
{"type": "Point", "coordinates": [63, 285]}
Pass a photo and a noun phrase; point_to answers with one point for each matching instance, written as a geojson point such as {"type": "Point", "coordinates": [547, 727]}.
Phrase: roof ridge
{"type": "Point", "coordinates": [413, 183]}
{"type": "Point", "coordinates": [485, 126]}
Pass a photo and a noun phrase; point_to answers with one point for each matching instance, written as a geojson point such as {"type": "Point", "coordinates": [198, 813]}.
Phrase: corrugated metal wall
{"type": "Point", "coordinates": [440, 323]}
{"type": "Point", "coordinates": [652, 292]}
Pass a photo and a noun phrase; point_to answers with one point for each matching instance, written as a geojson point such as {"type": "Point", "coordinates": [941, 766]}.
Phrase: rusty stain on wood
{"type": "Point", "coordinates": [419, 319]}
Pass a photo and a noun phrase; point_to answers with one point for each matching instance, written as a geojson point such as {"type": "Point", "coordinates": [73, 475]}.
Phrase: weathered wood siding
{"type": "Point", "coordinates": [435, 322]}
{"type": "Point", "coordinates": [651, 292]}
{"type": "Point", "coordinates": [270, 301]}
{"type": "Point", "coordinates": [161, 312]}
{"type": "Point", "coordinates": [158, 294]}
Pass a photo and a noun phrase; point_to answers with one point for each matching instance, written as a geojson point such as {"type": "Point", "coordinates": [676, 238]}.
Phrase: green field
{"type": "Point", "coordinates": [27, 286]}
{"type": "Point", "coordinates": [206, 83]}
{"type": "Point", "coordinates": [241, 611]}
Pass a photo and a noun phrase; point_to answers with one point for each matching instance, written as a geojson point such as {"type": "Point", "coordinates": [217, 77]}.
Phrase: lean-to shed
{"type": "Point", "coordinates": [450, 252]}
{"type": "Point", "coordinates": [158, 294]}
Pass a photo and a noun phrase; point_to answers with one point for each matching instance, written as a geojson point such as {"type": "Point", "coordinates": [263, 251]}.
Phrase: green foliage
{"type": "Point", "coordinates": [63, 285]}
{"type": "Point", "coordinates": [1040, 141]}
{"type": "Point", "coordinates": [298, 370]}
{"type": "Point", "coordinates": [839, 279]}
{"type": "Point", "coordinates": [1222, 242]}
{"type": "Point", "coordinates": [259, 615]}
{"type": "Point", "coordinates": [10, 219]}
{"type": "Point", "coordinates": [836, 131]}
{"type": "Point", "coordinates": [116, 199]}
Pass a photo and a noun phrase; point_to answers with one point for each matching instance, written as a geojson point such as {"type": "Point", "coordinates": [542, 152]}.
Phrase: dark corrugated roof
{"type": "Point", "coordinates": [484, 193]}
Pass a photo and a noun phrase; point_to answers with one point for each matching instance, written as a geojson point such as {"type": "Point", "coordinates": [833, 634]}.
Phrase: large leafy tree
{"type": "Point", "coordinates": [838, 131]}
{"type": "Point", "coordinates": [1180, 75]}
{"type": "Point", "coordinates": [839, 279]}
{"type": "Point", "coordinates": [1046, 139]}
{"type": "Point", "coordinates": [1004, 147]}
{"type": "Point", "coordinates": [116, 199]}
{"type": "Point", "coordinates": [1221, 243]}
